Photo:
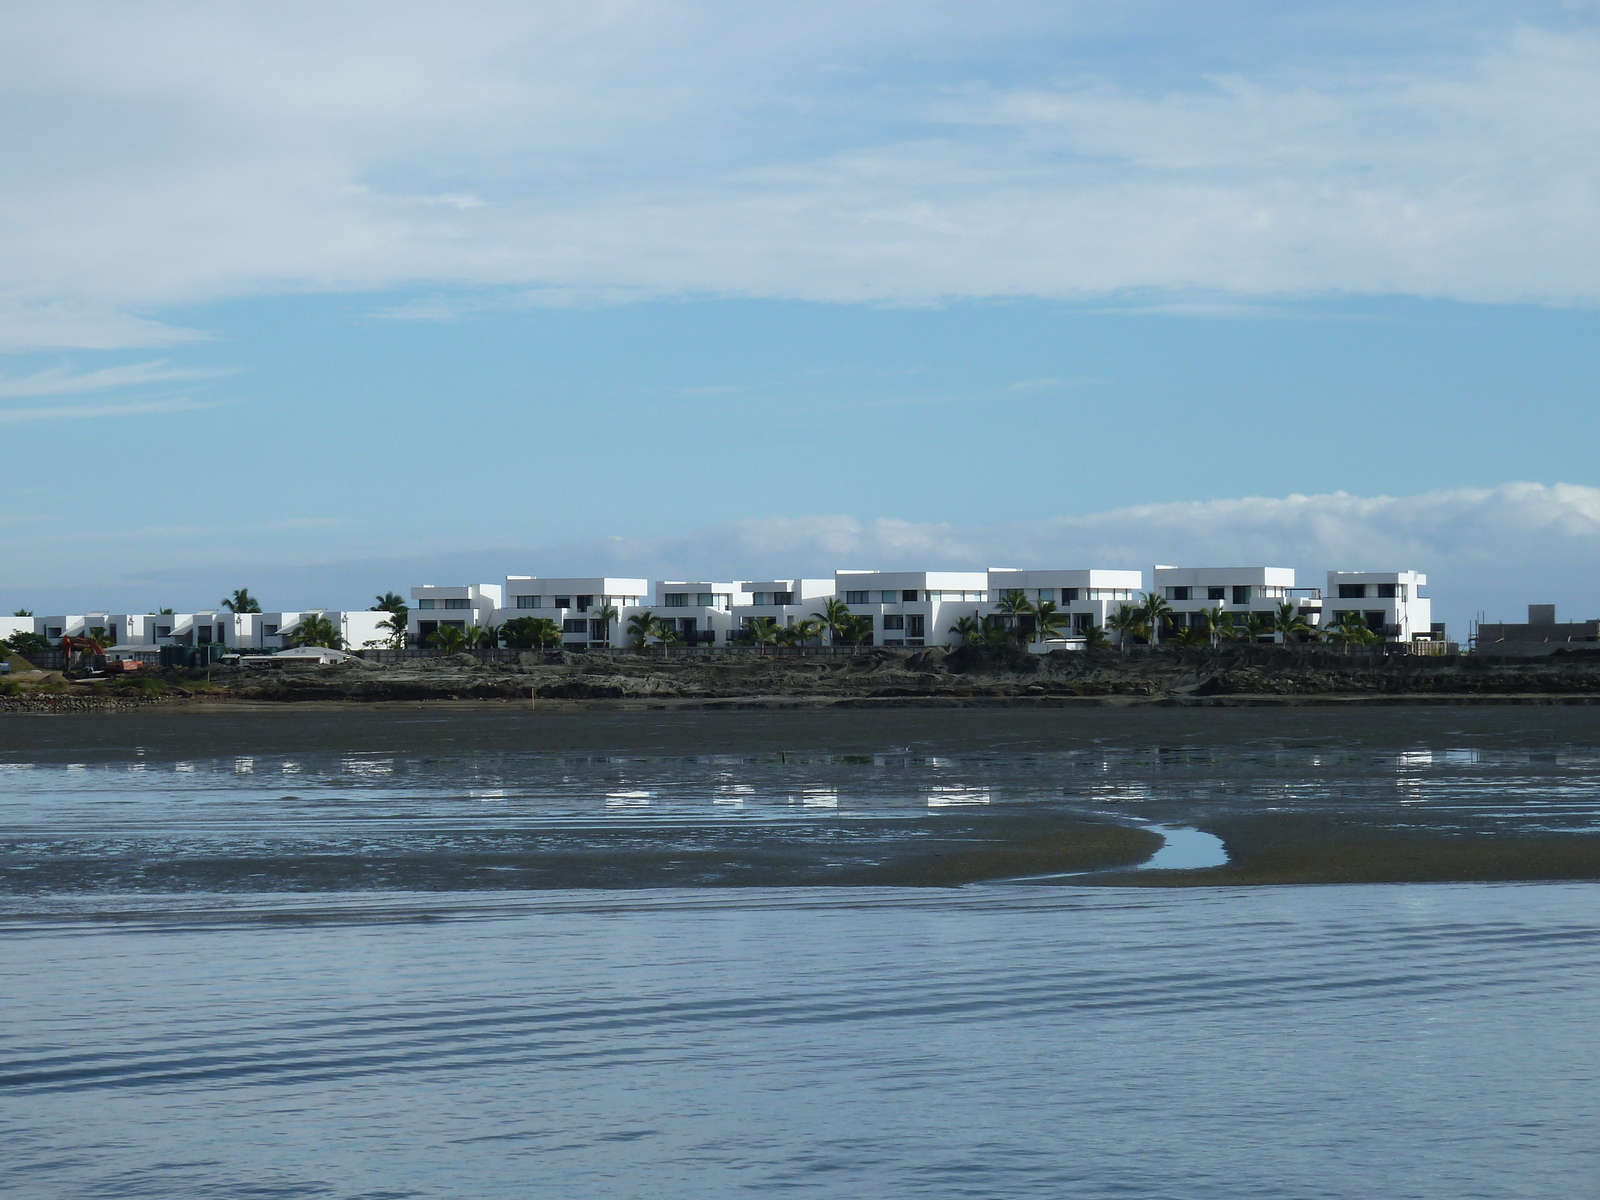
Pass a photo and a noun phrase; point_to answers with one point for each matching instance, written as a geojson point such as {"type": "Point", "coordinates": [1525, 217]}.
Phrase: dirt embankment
{"type": "Point", "coordinates": [968, 676]}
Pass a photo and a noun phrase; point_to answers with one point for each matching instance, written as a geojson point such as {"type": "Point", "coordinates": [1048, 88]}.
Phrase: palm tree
{"type": "Point", "coordinates": [665, 631]}
{"type": "Point", "coordinates": [1258, 625]}
{"type": "Point", "coordinates": [807, 629]}
{"type": "Point", "coordinates": [835, 612]}
{"type": "Point", "coordinates": [1014, 606]}
{"type": "Point", "coordinates": [1290, 624]}
{"type": "Point", "coordinates": [856, 629]}
{"type": "Point", "coordinates": [763, 631]}
{"type": "Point", "coordinates": [449, 639]}
{"type": "Point", "coordinates": [1352, 629]}
{"type": "Point", "coordinates": [968, 630]}
{"type": "Point", "coordinates": [1094, 638]}
{"type": "Point", "coordinates": [1218, 625]}
{"type": "Point", "coordinates": [471, 637]}
{"type": "Point", "coordinates": [396, 626]}
{"type": "Point", "coordinates": [491, 637]}
{"type": "Point", "coordinates": [1128, 621]}
{"type": "Point", "coordinates": [241, 602]}
{"type": "Point", "coordinates": [1156, 610]}
{"type": "Point", "coordinates": [316, 631]}
{"type": "Point", "coordinates": [1048, 620]}
{"type": "Point", "coordinates": [605, 614]}
{"type": "Point", "coordinates": [523, 633]}
{"type": "Point", "coordinates": [1191, 637]}
{"type": "Point", "coordinates": [640, 628]}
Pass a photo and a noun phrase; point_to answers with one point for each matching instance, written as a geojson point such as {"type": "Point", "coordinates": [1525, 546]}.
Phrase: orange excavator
{"type": "Point", "coordinates": [82, 654]}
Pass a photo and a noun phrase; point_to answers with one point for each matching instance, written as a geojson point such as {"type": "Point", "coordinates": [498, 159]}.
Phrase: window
{"type": "Point", "coordinates": [1216, 593]}
{"type": "Point", "coordinates": [269, 630]}
{"type": "Point", "coordinates": [426, 629]}
{"type": "Point", "coordinates": [530, 601]}
{"type": "Point", "coordinates": [1082, 621]}
{"type": "Point", "coordinates": [1178, 593]}
{"type": "Point", "coordinates": [855, 597]}
{"type": "Point", "coordinates": [908, 595]}
{"type": "Point", "coordinates": [1068, 595]}
{"type": "Point", "coordinates": [761, 598]}
{"type": "Point", "coordinates": [54, 631]}
{"type": "Point", "coordinates": [1376, 621]}
{"type": "Point", "coordinates": [458, 604]}
{"type": "Point", "coordinates": [1241, 593]}
{"type": "Point", "coordinates": [677, 599]}
{"type": "Point", "coordinates": [888, 597]}
{"type": "Point", "coordinates": [425, 605]}
{"type": "Point", "coordinates": [598, 631]}
{"type": "Point", "coordinates": [1045, 594]}
{"type": "Point", "coordinates": [1386, 591]}
{"type": "Point", "coordinates": [575, 625]}
{"type": "Point", "coordinates": [202, 634]}
{"type": "Point", "coordinates": [563, 601]}
{"type": "Point", "coordinates": [584, 603]}
{"type": "Point", "coordinates": [1352, 591]}
{"type": "Point", "coordinates": [893, 621]}
{"type": "Point", "coordinates": [914, 625]}
{"type": "Point", "coordinates": [783, 597]}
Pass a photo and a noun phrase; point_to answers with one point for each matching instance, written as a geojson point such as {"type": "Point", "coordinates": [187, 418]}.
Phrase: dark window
{"type": "Point", "coordinates": [893, 621]}
{"type": "Point", "coordinates": [1241, 593]}
{"type": "Point", "coordinates": [458, 604]}
{"type": "Point", "coordinates": [575, 625]}
{"type": "Point", "coordinates": [584, 602]}
{"type": "Point", "coordinates": [563, 601]}
{"type": "Point", "coordinates": [1068, 595]}
{"type": "Point", "coordinates": [1386, 591]}
{"type": "Point", "coordinates": [161, 631]}
{"type": "Point", "coordinates": [677, 600]}
{"type": "Point", "coordinates": [1180, 593]}
{"type": "Point", "coordinates": [914, 625]}
{"type": "Point", "coordinates": [1352, 591]}
{"type": "Point", "coordinates": [272, 630]}
{"type": "Point", "coordinates": [783, 597]}
{"type": "Point", "coordinates": [529, 601]}
{"type": "Point", "coordinates": [908, 594]}
{"type": "Point", "coordinates": [598, 631]}
{"type": "Point", "coordinates": [1376, 621]}
{"type": "Point", "coordinates": [1216, 593]}
{"type": "Point", "coordinates": [426, 629]}
{"type": "Point", "coordinates": [1082, 621]}
{"type": "Point", "coordinates": [202, 634]}
{"type": "Point", "coordinates": [688, 624]}
{"type": "Point", "coordinates": [855, 597]}
{"type": "Point", "coordinates": [461, 625]}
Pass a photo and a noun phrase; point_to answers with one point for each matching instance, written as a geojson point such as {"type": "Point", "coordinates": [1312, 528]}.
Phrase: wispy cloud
{"type": "Point", "coordinates": [84, 412]}
{"type": "Point", "coordinates": [59, 381]}
{"type": "Point", "coordinates": [565, 155]}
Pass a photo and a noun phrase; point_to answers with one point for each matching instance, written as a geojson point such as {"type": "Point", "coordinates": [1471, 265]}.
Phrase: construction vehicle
{"type": "Point", "coordinates": [83, 654]}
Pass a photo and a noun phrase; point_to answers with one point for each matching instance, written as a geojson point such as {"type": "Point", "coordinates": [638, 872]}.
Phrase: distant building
{"type": "Point", "coordinates": [1238, 591]}
{"type": "Point", "coordinates": [125, 634]}
{"type": "Point", "coordinates": [571, 603]}
{"type": "Point", "coordinates": [1542, 634]}
{"type": "Point", "coordinates": [1390, 603]}
{"type": "Point", "coordinates": [1087, 597]}
{"type": "Point", "coordinates": [459, 605]}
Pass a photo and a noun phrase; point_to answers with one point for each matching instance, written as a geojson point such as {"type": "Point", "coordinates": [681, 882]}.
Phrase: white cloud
{"type": "Point", "coordinates": [57, 381]}
{"type": "Point", "coordinates": [84, 412]}
{"type": "Point", "coordinates": [892, 153]}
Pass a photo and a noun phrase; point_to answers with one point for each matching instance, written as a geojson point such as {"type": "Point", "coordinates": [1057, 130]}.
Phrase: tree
{"type": "Point", "coordinates": [524, 633]}
{"type": "Point", "coordinates": [1290, 624]}
{"type": "Point", "coordinates": [1048, 620]}
{"type": "Point", "coordinates": [606, 614]}
{"type": "Point", "coordinates": [1218, 625]}
{"type": "Point", "coordinates": [1156, 610]}
{"type": "Point", "coordinates": [1258, 625]}
{"type": "Point", "coordinates": [472, 637]}
{"type": "Point", "coordinates": [448, 638]}
{"type": "Point", "coordinates": [763, 631]}
{"type": "Point", "coordinates": [1128, 621]}
{"type": "Point", "coordinates": [835, 613]}
{"type": "Point", "coordinates": [1014, 607]}
{"type": "Point", "coordinates": [640, 627]}
{"type": "Point", "coordinates": [241, 602]}
{"type": "Point", "coordinates": [23, 612]}
{"type": "Point", "coordinates": [27, 643]}
{"type": "Point", "coordinates": [665, 631]}
{"type": "Point", "coordinates": [806, 629]}
{"type": "Point", "coordinates": [100, 636]}
{"type": "Point", "coordinates": [1191, 637]}
{"type": "Point", "coordinates": [1351, 629]}
{"type": "Point", "coordinates": [968, 630]}
{"type": "Point", "coordinates": [389, 602]}
{"type": "Point", "coordinates": [395, 626]}
{"type": "Point", "coordinates": [856, 629]}
{"type": "Point", "coordinates": [1094, 638]}
{"type": "Point", "coordinates": [316, 631]}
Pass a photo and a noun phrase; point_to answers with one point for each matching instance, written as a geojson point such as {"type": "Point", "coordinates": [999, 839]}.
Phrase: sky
{"type": "Point", "coordinates": [328, 299]}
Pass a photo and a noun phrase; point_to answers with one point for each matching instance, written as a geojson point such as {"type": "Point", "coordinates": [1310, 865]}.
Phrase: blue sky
{"type": "Point", "coordinates": [328, 299]}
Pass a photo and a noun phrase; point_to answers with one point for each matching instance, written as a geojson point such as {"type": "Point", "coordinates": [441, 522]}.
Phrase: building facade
{"type": "Point", "coordinates": [1238, 591]}
{"type": "Point", "coordinates": [1389, 603]}
{"type": "Point", "coordinates": [572, 603]}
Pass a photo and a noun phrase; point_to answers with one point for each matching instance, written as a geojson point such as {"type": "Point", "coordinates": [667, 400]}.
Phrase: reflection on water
{"type": "Point", "coordinates": [1187, 849]}
{"type": "Point", "coordinates": [1005, 1041]}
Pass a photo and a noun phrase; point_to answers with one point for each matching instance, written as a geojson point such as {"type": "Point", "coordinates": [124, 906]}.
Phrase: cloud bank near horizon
{"type": "Point", "coordinates": [1494, 549]}
{"type": "Point", "coordinates": [559, 153]}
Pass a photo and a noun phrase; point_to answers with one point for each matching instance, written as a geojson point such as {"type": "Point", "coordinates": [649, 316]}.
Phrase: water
{"type": "Point", "coordinates": [220, 979]}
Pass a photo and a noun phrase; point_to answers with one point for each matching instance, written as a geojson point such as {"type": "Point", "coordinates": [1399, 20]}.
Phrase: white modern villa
{"type": "Point", "coordinates": [905, 608]}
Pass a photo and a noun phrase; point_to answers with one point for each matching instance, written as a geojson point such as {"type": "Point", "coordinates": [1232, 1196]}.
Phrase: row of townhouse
{"type": "Point", "coordinates": [917, 608]}
{"type": "Point", "coordinates": [126, 634]}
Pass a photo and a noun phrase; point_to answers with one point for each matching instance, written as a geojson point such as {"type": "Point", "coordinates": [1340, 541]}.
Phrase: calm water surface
{"type": "Point", "coordinates": [193, 1008]}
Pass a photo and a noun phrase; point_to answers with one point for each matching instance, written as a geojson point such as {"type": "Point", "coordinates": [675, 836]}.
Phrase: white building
{"type": "Point", "coordinates": [571, 604]}
{"type": "Point", "coordinates": [1389, 602]}
{"type": "Point", "coordinates": [131, 633]}
{"type": "Point", "coordinates": [1238, 591]}
{"type": "Point", "coordinates": [913, 608]}
{"type": "Point", "coordinates": [786, 601]}
{"type": "Point", "coordinates": [699, 611]}
{"type": "Point", "coordinates": [468, 604]}
{"type": "Point", "coordinates": [1088, 597]}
